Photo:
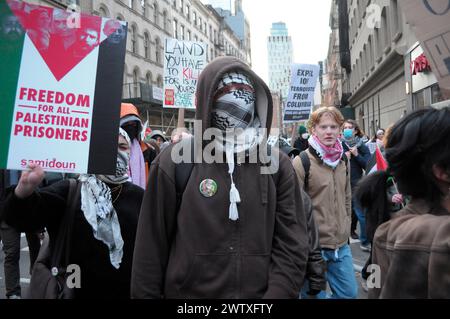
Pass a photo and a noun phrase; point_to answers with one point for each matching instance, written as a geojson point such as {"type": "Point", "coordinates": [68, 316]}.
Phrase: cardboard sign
{"type": "Point", "coordinates": [61, 75]}
{"type": "Point", "coordinates": [430, 21]}
{"type": "Point", "coordinates": [301, 92]}
{"type": "Point", "coordinates": [183, 63]}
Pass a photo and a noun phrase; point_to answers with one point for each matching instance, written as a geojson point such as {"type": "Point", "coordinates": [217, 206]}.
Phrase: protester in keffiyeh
{"type": "Point", "coordinates": [323, 171]}
{"type": "Point", "coordinates": [226, 201]}
{"type": "Point", "coordinates": [104, 225]}
{"type": "Point", "coordinates": [141, 153]}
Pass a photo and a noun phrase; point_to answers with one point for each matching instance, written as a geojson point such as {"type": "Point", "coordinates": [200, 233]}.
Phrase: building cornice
{"type": "Point", "coordinates": [385, 70]}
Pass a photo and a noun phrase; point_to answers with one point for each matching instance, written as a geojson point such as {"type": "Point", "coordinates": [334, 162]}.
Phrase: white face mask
{"type": "Point", "coordinates": [305, 136]}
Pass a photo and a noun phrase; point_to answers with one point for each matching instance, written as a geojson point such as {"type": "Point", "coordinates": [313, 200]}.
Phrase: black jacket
{"type": "Point", "coordinates": [357, 164]}
{"type": "Point", "coordinates": [315, 268]}
{"type": "Point", "coordinates": [301, 144]}
{"type": "Point", "coordinates": [45, 208]}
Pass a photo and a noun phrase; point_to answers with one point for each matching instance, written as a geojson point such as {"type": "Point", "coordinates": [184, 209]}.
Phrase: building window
{"type": "Point", "coordinates": [175, 29]}
{"type": "Point", "coordinates": [200, 23]}
{"type": "Point", "coordinates": [385, 29]}
{"type": "Point", "coordinates": [103, 12]}
{"type": "Point", "coordinates": [158, 50]}
{"type": "Point", "coordinates": [188, 12]}
{"type": "Point", "coordinates": [363, 58]}
{"type": "Point", "coordinates": [182, 6]}
{"type": "Point", "coordinates": [436, 94]}
{"type": "Point", "coordinates": [146, 45]}
{"type": "Point", "coordinates": [135, 82]}
{"type": "Point", "coordinates": [155, 14]}
{"type": "Point", "coordinates": [144, 7]}
{"type": "Point", "coordinates": [371, 58]}
{"type": "Point", "coordinates": [196, 38]}
{"type": "Point", "coordinates": [395, 13]}
{"type": "Point", "coordinates": [159, 81]}
{"type": "Point", "coordinates": [419, 100]}
{"type": "Point", "coordinates": [204, 29]}
{"type": "Point", "coordinates": [165, 21]}
{"type": "Point", "coordinates": [182, 32]}
{"type": "Point", "coordinates": [211, 34]}
{"type": "Point", "coordinates": [148, 78]}
{"type": "Point", "coordinates": [189, 36]}
{"type": "Point", "coordinates": [133, 39]}
{"type": "Point", "coordinates": [194, 18]}
{"type": "Point", "coordinates": [378, 45]}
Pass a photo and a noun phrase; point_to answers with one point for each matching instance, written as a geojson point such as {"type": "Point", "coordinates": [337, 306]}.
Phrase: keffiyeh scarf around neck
{"type": "Point", "coordinates": [233, 110]}
{"type": "Point", "coordinates": [98, 209]}
{"type": "Point", "coordinates": [331, 156]}
{"type": "Point", "coordinates": [355, 141]}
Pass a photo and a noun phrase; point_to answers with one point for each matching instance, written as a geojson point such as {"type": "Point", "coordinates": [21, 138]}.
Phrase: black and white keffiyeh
{"type": "Point", "coordinates": [234, 102]}
{"type": "Point", "coordinates": [234, 111]}
{"type": "Point", "coordinates": [98, 209]}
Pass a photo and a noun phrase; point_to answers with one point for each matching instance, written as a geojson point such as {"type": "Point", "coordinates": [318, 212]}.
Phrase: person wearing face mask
{"type": "Point", "coordinates": [141, 153]}
{"type": "Point", "coordinates": [104, 225]}
{"type": "Point", "coordinates": [234, 230]}
{"type": "Point", "coordinates": [377, 141]}
{"type": "Point", "coordinates": [301, 143]}
{"type": "Point", "coordinates": [358, 155]}
{"type": "Point", "coordinates": [323, 174]}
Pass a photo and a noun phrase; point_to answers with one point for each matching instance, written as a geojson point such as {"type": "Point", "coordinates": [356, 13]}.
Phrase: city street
{"type": "Point", "coordinates": [24, 267]}
{"type": "Point", "coordinates": [359, 259]}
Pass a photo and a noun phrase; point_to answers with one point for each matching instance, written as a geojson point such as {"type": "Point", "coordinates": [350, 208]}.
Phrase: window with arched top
{"type": "Point", "coordinates": [103, 12]}
{"type": "Point", "coordinates": [377, 44]}
{"type": "Point", "coordinates": [155, 13]}
{"type": "Point", "coordinates": [159, 81]}
{"type": "Point", "coordinates": [133, 37]}
{"type": "Point", "coordinates": [144, 8]}
{"type": "Point", "coordinates": [136, 82]}
{"type": "Point", "coordinates": [370, 57]}
{"type": "Point", "coordinates": [158, 50]}
{"type": "Point", "coordinates": [165, 25]}
{"type": "Point", "coordinates": [395, 18]}
{"type": "Point", "coordinates": [149, 78]}
{"type": "Point", "coordinates": [386, 36]}
{"type": "Point", "coordinates": [146, 45]}
{"type": "Point", "coordinates": [366, 59]}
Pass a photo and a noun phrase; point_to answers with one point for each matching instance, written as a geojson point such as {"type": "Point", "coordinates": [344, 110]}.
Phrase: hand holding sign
{"type": "Point", "coordinates": [29, 181]}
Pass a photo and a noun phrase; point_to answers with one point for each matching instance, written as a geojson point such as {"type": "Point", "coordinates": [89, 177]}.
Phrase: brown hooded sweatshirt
{"type": "Point", "coordinates": [197, 251]}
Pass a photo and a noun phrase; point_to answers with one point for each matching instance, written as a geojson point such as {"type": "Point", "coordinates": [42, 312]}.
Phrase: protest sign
{"type": "Point", "coordinates": [301, 92]}
{"type": "Point", "coordinates": [430, 21]}
{"type": "Point", "coordinates": [183, 62]}
{"type": "Point", "coordinates": [61, 75]}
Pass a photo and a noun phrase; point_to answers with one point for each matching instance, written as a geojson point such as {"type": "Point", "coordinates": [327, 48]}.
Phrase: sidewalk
{"type": "Point", "coordinates": [359, 260]}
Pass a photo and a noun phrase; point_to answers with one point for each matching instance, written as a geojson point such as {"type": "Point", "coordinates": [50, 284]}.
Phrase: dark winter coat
{"type": "Point", "coordinates": [196, 251]}
{"type": "Point", "coordinates": [45, 208]}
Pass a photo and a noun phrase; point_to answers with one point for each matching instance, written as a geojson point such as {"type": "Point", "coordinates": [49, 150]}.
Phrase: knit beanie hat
{"type": "Point", "coordinates": [302, 130]}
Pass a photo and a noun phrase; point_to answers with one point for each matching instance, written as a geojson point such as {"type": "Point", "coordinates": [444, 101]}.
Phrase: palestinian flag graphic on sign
{"type": "Point", "coordinates": [61, 75]}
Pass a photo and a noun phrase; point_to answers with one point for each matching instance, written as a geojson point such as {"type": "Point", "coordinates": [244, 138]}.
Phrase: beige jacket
{"type": "Point", "coordinates": [330, 192]}
{"type": "Point", "coordinates": [413, 253]}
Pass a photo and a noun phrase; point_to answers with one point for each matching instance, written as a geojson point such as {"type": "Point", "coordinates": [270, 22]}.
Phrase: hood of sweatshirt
{"type": "Point", "coordinates": [208, 83]}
